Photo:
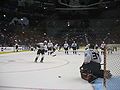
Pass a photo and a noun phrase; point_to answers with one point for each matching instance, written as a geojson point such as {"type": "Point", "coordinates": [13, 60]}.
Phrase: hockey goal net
{"type": "Point", "coordinates": [112, 63]}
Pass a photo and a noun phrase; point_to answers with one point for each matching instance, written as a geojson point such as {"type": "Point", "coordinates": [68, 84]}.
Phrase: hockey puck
{"type": "Point", "coordinates": [59, 76]}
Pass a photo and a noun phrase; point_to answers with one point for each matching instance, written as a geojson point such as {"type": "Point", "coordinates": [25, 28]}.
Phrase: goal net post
{"type": "Point", "coordinates": [112, 63]}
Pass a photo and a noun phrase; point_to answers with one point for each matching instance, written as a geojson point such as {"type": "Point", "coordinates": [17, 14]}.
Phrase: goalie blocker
{"type": "Point", "coordinates": [87, 75]}
{"type": "Point", "coordinates": [90, 77]}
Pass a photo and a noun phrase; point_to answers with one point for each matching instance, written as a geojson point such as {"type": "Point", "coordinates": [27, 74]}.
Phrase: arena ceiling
{"type": "Point", "coordinates": [62, 8]}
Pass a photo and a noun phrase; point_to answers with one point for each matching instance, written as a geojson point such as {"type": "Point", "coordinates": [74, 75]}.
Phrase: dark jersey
{"type": "Point", "coordinates": [41, 51]}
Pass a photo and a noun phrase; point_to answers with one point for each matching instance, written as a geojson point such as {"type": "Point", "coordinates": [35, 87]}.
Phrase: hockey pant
{"type": "Point", "coordinates": [42, 58]}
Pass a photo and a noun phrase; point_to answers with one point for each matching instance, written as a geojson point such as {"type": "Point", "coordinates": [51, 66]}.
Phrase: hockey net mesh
{"type": "Point", "coordinates": [113, 64]}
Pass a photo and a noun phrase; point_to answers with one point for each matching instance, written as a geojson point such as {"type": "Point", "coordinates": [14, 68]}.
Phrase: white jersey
{"type": "Point", "coordinates": [16, 45]}
{"type": "Point", "coordinates": [87, 46]}
{"type": "Point", "coordinates": [74, 45]}
{"type": "Point", "coordinates": [91, 55]}
{"type": "Point", "coordinates": [65, 45]}
{"type": "Point", "coordinates": [96, 46]}
{"type": "Point", "coordinates": [41, 46]}
{"type": "Point", "coordinates": [50, 45]}
{"type": "Point", "coordinates": [102, 45]}
{"type": "Point", "coordinates": [56, 46]}
{"type": "Point", "coordinates": [45, 47]}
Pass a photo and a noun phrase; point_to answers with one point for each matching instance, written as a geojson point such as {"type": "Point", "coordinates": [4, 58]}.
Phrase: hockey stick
{"type": "Point", "coordinates": [86, 39]}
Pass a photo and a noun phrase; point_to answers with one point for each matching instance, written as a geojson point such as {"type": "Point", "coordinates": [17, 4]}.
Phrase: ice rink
{"type": "Point", "coordinates": [19, 72]}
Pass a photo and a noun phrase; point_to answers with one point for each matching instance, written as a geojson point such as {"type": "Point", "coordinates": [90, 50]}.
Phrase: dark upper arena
{"type": "Point", "coordinates": [31, 21]}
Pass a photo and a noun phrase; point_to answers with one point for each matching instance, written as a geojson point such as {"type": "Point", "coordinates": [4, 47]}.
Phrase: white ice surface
{"type": "Point", "coordinates": [19, 72]}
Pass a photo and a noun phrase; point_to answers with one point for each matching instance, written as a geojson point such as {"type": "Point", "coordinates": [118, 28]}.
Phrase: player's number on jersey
{"type": "Point", "coordinates": [95, 55]}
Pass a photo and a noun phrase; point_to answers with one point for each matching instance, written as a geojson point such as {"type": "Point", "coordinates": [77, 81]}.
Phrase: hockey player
{"type": "Point", "coordinates": [32, 48]}
{"type": "Point", "coordinates": [55, 47]}
{"type": "Point", "coordinates": [102, 47]}
{"type": "Point", "coordinates": [45, 42]}
{"type": "Point", "coordinates": [2, 49]}
{"type": "Point", "coordinates": [41, 51]}
{"type": "Point", "coordinates": [96, 48]}
{"type": "Point", "coordinates": [50, 47]}
{"type": "Point", "coordinates": [16, 47]}
{"type": "Point", "coordinates": [66, 46]}
{"type": "Point", "coordinates": [74, 47]}
{"type": "Point", "coordinates": [92, 65]}
{"type": "Point", "coordinates": [45, 46]}
{"type": "Point", "coordinates": [87, 46]}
